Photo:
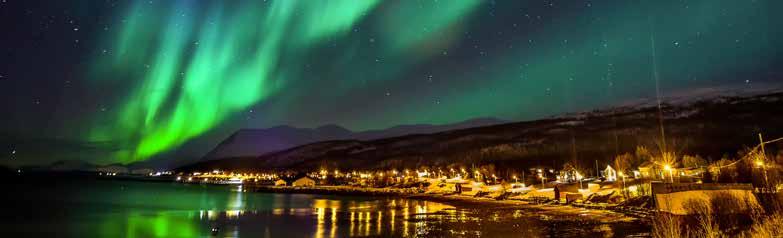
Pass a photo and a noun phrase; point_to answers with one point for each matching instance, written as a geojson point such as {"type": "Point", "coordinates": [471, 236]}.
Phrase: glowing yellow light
{"type": "Point", "coordinates": [667, 167]}
{"type": "Point", "coordinates": [760, 163]}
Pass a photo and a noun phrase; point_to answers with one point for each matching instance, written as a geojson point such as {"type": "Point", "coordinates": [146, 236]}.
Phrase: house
{"type": "Point", "coordinates": [281, 183]}
{"type": "Point", "coordinates": [610, 174]}
{"type": "Point", "coordinates": [144, 171]}
{"type": "Point", "coordinates": [113, 169]}
{"type": "Point", "coordinates": [303, 182]}
{"type": "Point", "coordinates": [648, 170]}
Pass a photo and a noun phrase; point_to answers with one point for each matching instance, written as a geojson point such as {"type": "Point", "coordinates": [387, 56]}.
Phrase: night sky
{"type": "Point", "coordinates": [123, 81]}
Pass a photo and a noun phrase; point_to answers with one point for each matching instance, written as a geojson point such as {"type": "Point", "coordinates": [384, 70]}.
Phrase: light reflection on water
{"type": "Point", "coordinates": [141, 209]}
{"type": "Point", "coordinates": [90, 208]}
{"type": "Point", "coordinates": [338, 217]}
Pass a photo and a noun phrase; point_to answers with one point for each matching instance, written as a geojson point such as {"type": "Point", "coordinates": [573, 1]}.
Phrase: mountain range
{"type": "Point", "coordinates": [712, 128]}
{"type": "Point", "coordinates": [254, 142]}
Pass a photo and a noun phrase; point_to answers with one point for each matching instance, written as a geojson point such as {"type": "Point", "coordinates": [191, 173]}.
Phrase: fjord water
{"type": "Point", "coordinates": [89, 207]}
{"type": "Point", "coordinates": [107, 208]}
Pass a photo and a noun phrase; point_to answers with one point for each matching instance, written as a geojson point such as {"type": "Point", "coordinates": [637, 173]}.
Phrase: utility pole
{"type": "Point", "coordinates": [523, 176]}
{"type": "Point", "coordinates": [763, 162]}
{"type": "Point", "coordinates": [761, 142]}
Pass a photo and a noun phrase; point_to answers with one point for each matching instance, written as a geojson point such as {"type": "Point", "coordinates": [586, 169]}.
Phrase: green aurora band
{"type": "Point", "coordinates": [191, 66]}
{"type": "Point", "coordinates": [203, 62]}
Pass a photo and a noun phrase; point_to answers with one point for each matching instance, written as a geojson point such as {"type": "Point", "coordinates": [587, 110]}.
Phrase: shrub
{"type": "Point", "coordinates": [666, 225]}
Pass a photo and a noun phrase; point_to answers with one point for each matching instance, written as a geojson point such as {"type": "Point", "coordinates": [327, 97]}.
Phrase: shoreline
{"type": "Point", "coordinates": [549, 211]}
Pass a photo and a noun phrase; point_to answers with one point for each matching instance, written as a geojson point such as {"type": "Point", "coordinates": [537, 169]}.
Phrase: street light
{"type": "Point", "coordinates": [760, 163]}
{"type": "Point", "coordinates": [623, 175]}
{"type": "Point", "coordinates": [669, 168]}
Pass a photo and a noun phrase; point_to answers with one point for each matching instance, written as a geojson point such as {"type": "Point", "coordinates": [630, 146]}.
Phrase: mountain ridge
{"type": "Point", "coordinates": [245, 142]}
{"type": "Point", "coordinates": [597, 137]}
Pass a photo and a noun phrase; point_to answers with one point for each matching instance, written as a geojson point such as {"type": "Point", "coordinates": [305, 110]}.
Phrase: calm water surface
{"type": "Point", "coordinates": [106, 208]}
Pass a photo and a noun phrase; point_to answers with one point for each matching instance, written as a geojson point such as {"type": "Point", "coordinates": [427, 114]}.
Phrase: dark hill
{"type": "Point", "coordinates": [254, 142]}
{"type": "Point", "coordinates": [710, 128]}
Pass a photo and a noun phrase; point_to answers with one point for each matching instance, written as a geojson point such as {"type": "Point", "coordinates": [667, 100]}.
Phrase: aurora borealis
{"type": "Point", "coordinates": [140, 78]}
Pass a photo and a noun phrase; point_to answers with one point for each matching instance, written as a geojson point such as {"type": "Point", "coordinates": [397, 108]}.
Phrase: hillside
{"type": "Point", "coordinates": [711, 128]}
{"type": "Point", "coordinates": [254, 142]}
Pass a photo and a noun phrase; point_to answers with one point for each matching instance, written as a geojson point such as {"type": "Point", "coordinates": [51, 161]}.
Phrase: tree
{"type": "Point", "coordinates": [643, 154]}
{"type": "Point", "coordinates": [622, 163]}
{"type": "Point", "coordinates": [693, 161]}
{"type": "Point", "coordinates": [779, 158]}
{"type": "Point", "coordinates": [572, 167]}
{"type": "Point", "coordinates": [744, 171]}
{"type": "Point", "coordinates": [706, 177]}
{"type": "Point", "coordinates": [725, 169]}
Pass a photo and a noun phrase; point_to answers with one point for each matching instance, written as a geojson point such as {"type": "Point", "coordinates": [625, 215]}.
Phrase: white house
{"type": "Point", "coordinates": [610, 174]}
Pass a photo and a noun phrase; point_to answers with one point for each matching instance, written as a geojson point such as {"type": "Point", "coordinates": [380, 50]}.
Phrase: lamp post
{"type": "Point", "coordinates": [671, 175]}
{"type": "Point", "coordinates": [760, 163]}
{"type": "Point", "coordinates": [623, 175]}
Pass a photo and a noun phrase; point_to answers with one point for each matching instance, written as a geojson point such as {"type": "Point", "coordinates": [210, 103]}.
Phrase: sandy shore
{"type": "Point", "coordinates": [551, 211]}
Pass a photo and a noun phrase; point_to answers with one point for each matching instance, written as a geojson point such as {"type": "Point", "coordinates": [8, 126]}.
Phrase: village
{"type": "Point", "coordinates": [629, 184]}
